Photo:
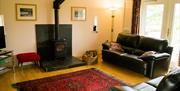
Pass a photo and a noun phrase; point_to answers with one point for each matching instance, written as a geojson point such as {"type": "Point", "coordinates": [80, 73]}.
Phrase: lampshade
{"type": "Point", "coordinates": [1, 20]}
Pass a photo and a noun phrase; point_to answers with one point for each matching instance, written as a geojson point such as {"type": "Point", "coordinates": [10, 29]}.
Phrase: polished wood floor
{"type": "Point", "coordinates": [31, 72]}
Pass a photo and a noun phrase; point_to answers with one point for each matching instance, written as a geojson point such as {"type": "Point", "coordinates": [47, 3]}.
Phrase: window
{"type": "Point", "coordinates": [152, 20]}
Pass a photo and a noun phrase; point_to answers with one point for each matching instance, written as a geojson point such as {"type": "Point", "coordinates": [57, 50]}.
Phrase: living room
{"type": "Point", "coordinates": [110, 17]}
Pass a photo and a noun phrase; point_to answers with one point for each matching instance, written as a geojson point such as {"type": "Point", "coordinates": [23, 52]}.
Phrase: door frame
{"type": "Point", "coordinates": [143, 13]}
{"type": "Point", "coordinates": [171, 19]}
{"type": "Point", "coordinates": [168, 15]}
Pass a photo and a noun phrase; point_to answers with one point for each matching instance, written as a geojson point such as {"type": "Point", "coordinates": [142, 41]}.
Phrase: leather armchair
{"type": "Point", "coordinates": [169, 82]}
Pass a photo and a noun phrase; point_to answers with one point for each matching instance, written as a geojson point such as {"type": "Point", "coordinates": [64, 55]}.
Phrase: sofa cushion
{"type": "Point", "coordinates": [134, 51]}
{"type": "Point", "coordinates": [128, 50]}
{"type": "Point", "coordinates": [131, 61]}
{"type": "Point", "coordinates": [151, 44]}
{"type": "Point", "coordinates": [128, 40]}
{"type": "Point", "coordinates": [138, 52]}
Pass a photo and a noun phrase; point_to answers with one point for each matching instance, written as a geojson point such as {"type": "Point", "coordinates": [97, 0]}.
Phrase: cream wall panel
{"type": "Point", "coordinates": [21, 34]}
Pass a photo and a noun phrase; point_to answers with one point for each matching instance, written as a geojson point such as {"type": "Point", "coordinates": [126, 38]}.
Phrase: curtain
{"type": "Point", "coordinates": [179, 58]}
{"type": "Point", "coordinates": [136, 17]}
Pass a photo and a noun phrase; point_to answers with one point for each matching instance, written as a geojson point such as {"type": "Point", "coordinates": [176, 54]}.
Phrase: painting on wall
{"type": "Point", "coordinates": [78, 13]}
{"type": "Point", "coordinates": [25, 12]}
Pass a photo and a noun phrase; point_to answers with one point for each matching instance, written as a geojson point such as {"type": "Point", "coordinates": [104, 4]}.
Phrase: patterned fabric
{"type": "Point", "coordinates": [84, 80]}
{"type": "Point", "coordinates": [116, 47]}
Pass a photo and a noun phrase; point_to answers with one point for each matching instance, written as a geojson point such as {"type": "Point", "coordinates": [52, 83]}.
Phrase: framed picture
{"type": "Point", "coordinates": [26, 12]}
{"type": "Point", "coordinates": [78, 13]}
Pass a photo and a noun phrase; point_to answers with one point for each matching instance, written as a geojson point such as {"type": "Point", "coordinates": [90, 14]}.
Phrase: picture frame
{"type": "Point", "coordinates": [78, 13]}
{"type": "Point", "coordinates": [26, 12]}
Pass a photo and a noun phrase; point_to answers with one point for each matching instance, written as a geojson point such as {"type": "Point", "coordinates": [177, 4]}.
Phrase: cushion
{"type": "Point", "coordinates": [128, 40]}
{"type": "Point", "coordinates": [147, 43]}
{"type": "Point", "coordinates": [116, 47]}
{"type": "Point", "coordinates": [128, 50]}
{"type": "Point", "coordinates": [131, 50]}
{"type": "Point", "coordinates": [138, 52]}
{"type": "Point", "coordinates": [147, 54]}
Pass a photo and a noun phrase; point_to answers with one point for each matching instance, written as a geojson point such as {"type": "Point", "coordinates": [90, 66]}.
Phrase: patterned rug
{"type": "Point", "coordinates": [84, 80]}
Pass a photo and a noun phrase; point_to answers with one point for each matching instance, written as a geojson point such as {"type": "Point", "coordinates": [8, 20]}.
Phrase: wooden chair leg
{"type": "Point", "coordinates": [37, 63]}
{"type": "Point", "coordinates": [18, 64]}
{"type": "Point", "coordinates": [21, 64]}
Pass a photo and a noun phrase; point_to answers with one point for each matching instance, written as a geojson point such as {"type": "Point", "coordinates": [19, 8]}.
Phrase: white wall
{"type": "Point", "coordinates": [127, 16]}
{"type": "Point", "coordinates": [21, 34]}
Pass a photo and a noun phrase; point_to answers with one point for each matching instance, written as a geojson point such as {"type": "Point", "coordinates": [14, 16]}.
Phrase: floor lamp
{"type": "Point", "coordinates": [112, 22]}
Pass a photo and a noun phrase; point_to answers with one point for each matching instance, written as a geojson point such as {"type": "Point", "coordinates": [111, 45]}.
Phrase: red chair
{"type": "Point", "coordinates": [28, 57]}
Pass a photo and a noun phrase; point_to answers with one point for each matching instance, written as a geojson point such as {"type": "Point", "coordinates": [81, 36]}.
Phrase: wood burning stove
{"type": "Point", "coordinates": [60, 49]}
{"type": "Point", "coordinates": [60, 45]}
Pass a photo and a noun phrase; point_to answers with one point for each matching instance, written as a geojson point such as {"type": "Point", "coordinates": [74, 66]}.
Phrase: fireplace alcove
{"type": "Point", "coordinates": [50, 59]}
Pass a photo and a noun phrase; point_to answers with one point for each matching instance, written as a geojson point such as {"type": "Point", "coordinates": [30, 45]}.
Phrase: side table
{"type": "Point", "coordinates": [6, 61]}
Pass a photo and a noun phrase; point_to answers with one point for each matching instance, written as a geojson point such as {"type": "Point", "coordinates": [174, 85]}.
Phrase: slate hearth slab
{"type": "Point", "coordinates": [57, 64]}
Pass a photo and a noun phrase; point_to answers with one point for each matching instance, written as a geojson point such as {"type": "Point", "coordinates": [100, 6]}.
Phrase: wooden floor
{"type": "Point", "coordinates": [33, 72]}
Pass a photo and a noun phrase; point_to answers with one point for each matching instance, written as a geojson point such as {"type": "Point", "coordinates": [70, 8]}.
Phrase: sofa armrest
{"type": "Point", "coordinates": [155, 56]}
{"type": "Point", "coordinates": [106, 45]}
{"type": "Point", "coordinates": [158, 64]}
{"type": "Point", "coordinates": [122, 88]}
{"type": "Point", "coordinates": [161, 55]}
{"type": "Point", "coordinates": [169, 50]}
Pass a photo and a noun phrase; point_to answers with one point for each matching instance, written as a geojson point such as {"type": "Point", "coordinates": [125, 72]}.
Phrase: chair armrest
{"type": "Point", "coordinates": [155, 82]}
{"type": "Point", "coordinates": [122, 88]}
{"type": "Point", "coordinates": [106, 45]}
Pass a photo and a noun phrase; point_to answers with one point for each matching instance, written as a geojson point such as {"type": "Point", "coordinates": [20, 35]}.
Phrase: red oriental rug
{"type": "Point", "coordinates": [84, 80]}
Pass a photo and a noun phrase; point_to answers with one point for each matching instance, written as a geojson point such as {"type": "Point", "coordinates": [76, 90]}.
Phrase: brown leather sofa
{"type": "Point", "coordinates": [134, 46]}
{"type": "Point", "coordinates": [170, 82]}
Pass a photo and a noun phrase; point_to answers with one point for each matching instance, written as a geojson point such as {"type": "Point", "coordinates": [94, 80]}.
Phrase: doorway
{"type": "Point", "coordinates": [161, 19]}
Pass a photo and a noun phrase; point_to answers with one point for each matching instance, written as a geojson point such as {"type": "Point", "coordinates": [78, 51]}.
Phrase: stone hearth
{"type": "Point", "coordinates": [63, 63]}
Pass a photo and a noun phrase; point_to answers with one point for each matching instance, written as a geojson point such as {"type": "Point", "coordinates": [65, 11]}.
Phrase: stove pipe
{"type": "Point", "coordinates": [56, 16]}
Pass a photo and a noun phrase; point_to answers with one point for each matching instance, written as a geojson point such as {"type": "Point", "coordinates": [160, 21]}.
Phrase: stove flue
{"type": "Point", "coordinates": [56, 5]}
